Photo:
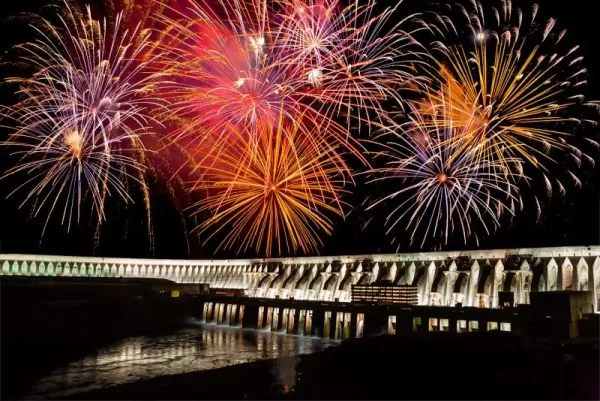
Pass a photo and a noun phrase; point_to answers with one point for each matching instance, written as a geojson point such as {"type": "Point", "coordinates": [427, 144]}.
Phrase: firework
{"type": "Point", "coordinates": [239, 64]}
{"type": "Point", "coordinates": [441, 190]}
{"type": "Point", "coordinates": [79, 124]}
{"type": "Point", "coordinates": [273, 193]}
{"type": "Point", "coordinates": [355, 57]}
{"type": "Point", "coordinates": [512, 84]}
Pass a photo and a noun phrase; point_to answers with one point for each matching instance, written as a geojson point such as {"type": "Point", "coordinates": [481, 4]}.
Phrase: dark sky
{"type": "Point", "coordinates": [570, 220]}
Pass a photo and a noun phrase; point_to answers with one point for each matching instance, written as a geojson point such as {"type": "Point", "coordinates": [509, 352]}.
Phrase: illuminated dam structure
{"type": "Point", "coordinates": [471, 278]}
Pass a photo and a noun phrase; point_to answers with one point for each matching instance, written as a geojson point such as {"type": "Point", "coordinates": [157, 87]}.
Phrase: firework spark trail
{"type": "Point", "coordinates": [79, 126]}
{"type": "Point", "coordinates": [442, 191]}
{"type": "Point", "coordinates": [272, 194]}
{"type": "Point", "coordinates": [353, 60]}
{"type": "Point", "coordinates": [244, 63]}
{"type": "Point", "coordinates": [512, 83]}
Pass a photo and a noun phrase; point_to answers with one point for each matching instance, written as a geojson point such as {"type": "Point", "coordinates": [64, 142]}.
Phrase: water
{"type": "Point", "coordinates": [190, 349]}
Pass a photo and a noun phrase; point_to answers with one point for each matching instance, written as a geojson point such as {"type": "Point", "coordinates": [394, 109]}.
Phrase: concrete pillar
{"type": "Point", "coordinates": [353, 323]}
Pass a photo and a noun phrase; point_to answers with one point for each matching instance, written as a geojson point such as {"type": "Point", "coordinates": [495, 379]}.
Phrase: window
{"type": "Point", "coordinates": [392, 325]}
{"type": "Point", "coordinates": [492, 326]}
{"type": "Point", "coordinates": [360, 321]}
{"type": "Point", "coordinates": [505, 326]}
{"type": "Point", "coordinates": [473, 326]}
{"type": "Point", "coordinates": [444, 325]}
{"type": "Point", "coordinates": [433, 324]}
{"type": "Point", "coordinates": [416, 323]}
{"type": "Point", "coordinates": [461, 326]}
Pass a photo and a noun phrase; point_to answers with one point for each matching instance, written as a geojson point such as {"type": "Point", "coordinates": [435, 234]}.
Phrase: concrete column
{"type": "Point", "coordinates": [353, 323]}
{"type": "Point", "coordinates": [590, 261]}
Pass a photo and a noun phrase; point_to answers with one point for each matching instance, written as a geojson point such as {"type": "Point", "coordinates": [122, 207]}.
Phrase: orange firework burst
{"type": "Point", "coordinates": [272, 193]}
{"type": "Point", "coordinates": [512, 87]}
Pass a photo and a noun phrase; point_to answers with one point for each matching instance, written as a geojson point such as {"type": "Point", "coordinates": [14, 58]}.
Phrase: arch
{"type": "Point", "coordinates": [316, 283]}
{"type": "Point", "coordinates": [346, 284]}
{"type": "Point", "coordinates": [33, 269]}
{"type": "Point", "coordinates": [128, 270]}
{"type": "Point", "coordinates": [330, 283]}
{"type": "Point", "coordinates": [392, 273]}
{"type": "Point", "coordinates": [459, 292]}
{"type": "Point", "coordinates": [582, 276]}
{"type": "Point", "coordinates": [375, 273]}
{"type": "Point", "coordinates": [24, 268]}
{"type": "Point", "coordinates": [540, 285]}
{"type": "Point", "coordinates": [5, 267]}
{"type": "Point", "coordinates": [411, 273]}
{"type": "Point", "coordinates": [277, 283]}
{"type": "Point", "coordinates": [302, 285]}
{"type": "Point", "coordinates": [509, 283]}
{"type": "Point", "coordinates": [596, 271]}
{"type": "Point", "coordinates": [485, 274]}
{"type": "Point", "coordinates": [42, 269]}
{"type": "Point", "coordinates": [567, 275]}
{"type": "Point", "coordinates": [440, 287]}
{"type": "Point", "coordinates": [51, 269]}
{"type": "Point", "coordinates": [364, 279]}
{"type": "Point", "coordinates": [265, 281]}
{"type": "Point", "coordinates": [290, 282]}
{"type": "Point", "coordinates": [552, 279]}
{"type": "Point", "coordinates": [537, 278]}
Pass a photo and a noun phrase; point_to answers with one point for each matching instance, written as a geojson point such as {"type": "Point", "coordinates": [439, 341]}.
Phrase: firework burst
{"type": "Point", "coordinates": [79, 123]}
{"type": "Point", "coordinates": [273, 194]}
{"type": "Point", "coordinates": [244, 64]}
{"type": "Point", "coordinates": [513, 84]}
{"type": "Point", "coordinates": [441, 190]}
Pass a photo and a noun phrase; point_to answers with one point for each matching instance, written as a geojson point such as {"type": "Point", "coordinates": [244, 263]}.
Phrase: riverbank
{"type": "Point", "coordinates": [480, 366]}
{"type": "Point", "coordinates": [47, 323]}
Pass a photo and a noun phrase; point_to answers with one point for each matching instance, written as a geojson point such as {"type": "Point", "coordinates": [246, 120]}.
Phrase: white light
{"type": "Point", "coordinates": [314, 76]}
{"type": "Point", "coordinates": [239, 82]}
{"type": "Point", "coordinates": [257, 43]}
{"type": "Point", "coordinates": [481, 36]}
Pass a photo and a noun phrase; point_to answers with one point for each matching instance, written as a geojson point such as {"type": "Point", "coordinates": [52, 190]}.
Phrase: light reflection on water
{"type": "Point", "coordinates": [202, 347]}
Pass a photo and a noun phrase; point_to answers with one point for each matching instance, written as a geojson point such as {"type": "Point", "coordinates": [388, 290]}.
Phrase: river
{"type": "Point", "coordinates": [195, 348]}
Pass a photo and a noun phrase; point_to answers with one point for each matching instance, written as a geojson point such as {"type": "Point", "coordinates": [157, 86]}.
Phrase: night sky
{"type": "Point", "coordinates": [570, 220]}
